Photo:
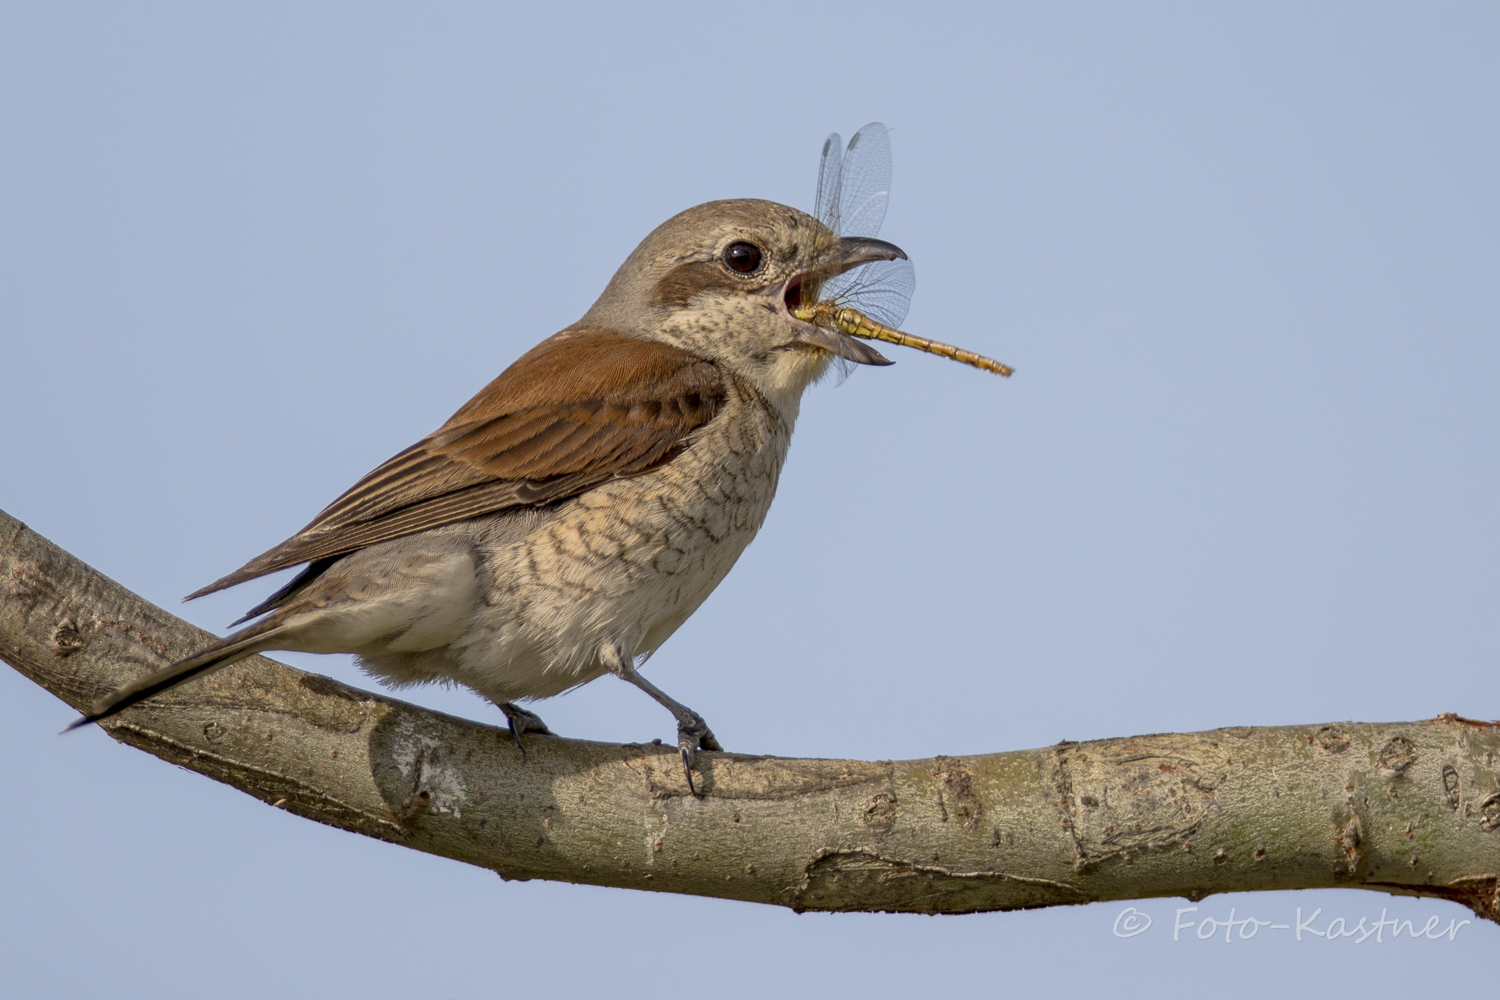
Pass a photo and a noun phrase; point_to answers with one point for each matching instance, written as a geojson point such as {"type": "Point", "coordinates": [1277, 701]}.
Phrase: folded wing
{"type": "Point", "coordinates": [581, 408]}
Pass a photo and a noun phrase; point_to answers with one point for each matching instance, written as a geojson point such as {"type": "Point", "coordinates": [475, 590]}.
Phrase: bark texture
{"type": "Point", "coordinates": [1410, 807]}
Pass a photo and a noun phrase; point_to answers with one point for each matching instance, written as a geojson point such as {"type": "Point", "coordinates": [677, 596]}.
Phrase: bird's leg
{"type": "Point", "coordinates": [522, 721]}
{"type": "Point", "coordinates": [693, 733]}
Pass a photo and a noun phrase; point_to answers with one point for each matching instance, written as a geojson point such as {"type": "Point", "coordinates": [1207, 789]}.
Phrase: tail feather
{"type": "Point", "coordinates": [230, 649]}
{"type": "Point", "coordinates": [311, 572]}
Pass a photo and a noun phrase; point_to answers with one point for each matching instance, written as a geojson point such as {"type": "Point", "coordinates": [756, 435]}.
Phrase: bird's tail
{"type": "Point", "coordinates": [241, 644]}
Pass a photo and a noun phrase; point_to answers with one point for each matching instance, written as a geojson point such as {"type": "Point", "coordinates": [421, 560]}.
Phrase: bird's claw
{"type": "Point", "coordinates": [522, 721]}
{"type": "Point", "coordinates": [694, 735]}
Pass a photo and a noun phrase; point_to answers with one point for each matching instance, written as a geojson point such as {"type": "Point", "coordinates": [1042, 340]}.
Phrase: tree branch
{"type": "Point", "coordinates": [1410, 808]}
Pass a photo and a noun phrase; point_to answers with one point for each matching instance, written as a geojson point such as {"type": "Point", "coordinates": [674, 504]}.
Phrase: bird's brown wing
{"type": "Point", "coordinates": [577, 410]}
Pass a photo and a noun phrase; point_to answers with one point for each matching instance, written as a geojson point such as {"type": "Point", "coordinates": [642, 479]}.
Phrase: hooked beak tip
{"type": "Point", "coordinates": [856, 250]}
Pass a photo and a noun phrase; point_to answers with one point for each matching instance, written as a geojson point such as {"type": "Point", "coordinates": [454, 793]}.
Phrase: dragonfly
{"type": "Point", "coordinates": [854, 186]}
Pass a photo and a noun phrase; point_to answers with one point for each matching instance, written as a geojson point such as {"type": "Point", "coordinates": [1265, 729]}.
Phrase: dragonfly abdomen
{"type": "Point", "coordinates": [857, 324]}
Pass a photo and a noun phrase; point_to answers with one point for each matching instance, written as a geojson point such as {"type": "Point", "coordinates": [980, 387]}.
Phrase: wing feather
{"type": "Point", "coordinates": [577, 410]}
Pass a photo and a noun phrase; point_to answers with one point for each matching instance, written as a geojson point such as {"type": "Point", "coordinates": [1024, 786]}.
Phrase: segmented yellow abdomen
{"type": "Point", "coordinates": [857, 324]}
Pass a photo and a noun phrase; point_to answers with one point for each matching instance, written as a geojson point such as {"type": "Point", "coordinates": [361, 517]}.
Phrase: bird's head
{"type": "Point", "coordinates": [723, 279]}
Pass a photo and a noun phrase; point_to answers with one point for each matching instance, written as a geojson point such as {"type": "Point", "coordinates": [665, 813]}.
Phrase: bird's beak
{"type": "Point", "coordinates": [852, 251]}
{"type": "Point", "coordinates": [840, 344]}
{"type": "Point", "coordinates": [848, 253]}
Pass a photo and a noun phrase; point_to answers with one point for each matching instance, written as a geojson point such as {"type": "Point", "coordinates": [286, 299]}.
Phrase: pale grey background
{"type": "Point", "coordinates": [1243, 258]}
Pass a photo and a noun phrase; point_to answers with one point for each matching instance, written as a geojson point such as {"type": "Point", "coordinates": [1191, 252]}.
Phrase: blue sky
{"type": "Point", "coordinates": [1242, 256]}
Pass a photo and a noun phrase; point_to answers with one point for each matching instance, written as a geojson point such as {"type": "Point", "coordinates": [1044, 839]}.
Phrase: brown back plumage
{"type": "Point", "coordinates": [580, 408]}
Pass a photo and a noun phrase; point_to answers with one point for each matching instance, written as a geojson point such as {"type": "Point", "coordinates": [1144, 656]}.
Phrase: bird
{"type": "Point", "coordinates": [568, 519]}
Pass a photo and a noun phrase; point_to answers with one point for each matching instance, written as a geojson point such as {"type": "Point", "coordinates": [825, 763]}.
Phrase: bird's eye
{"type": "Point", "coordinates": [742, 257]}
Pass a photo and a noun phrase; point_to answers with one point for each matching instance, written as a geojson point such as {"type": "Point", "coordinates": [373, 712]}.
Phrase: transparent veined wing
{"type": "Point", "coordinates": [870, 301]}
{"type": "Point", "coordinates": [826, 208]}
{"type": "Point", "coordinates": [881, 290]}
{"type": "Point", "coordinates": [854, 187]}
{"type": "Point", "coordinates": [854, 184]}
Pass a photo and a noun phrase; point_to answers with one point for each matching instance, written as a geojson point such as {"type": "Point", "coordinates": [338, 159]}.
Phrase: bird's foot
{"type": "Point", "coordinates": [522, 721]}
{"type": "Point", "coordinates": [693, 735]}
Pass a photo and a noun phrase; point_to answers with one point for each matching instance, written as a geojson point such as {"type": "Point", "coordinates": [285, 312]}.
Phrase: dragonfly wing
{"type": "Point", "coordinates": [854, 186]}
{"type": "Point", "coordinates": [864, 185]}
{"type": "Point", "coordinates": [827, 206]}
{"type": "Point", "coordinates": [881, 290]}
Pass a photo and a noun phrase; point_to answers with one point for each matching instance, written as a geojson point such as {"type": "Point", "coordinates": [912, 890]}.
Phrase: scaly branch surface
{"type": "Point", "coordinates": [1410, 807]}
